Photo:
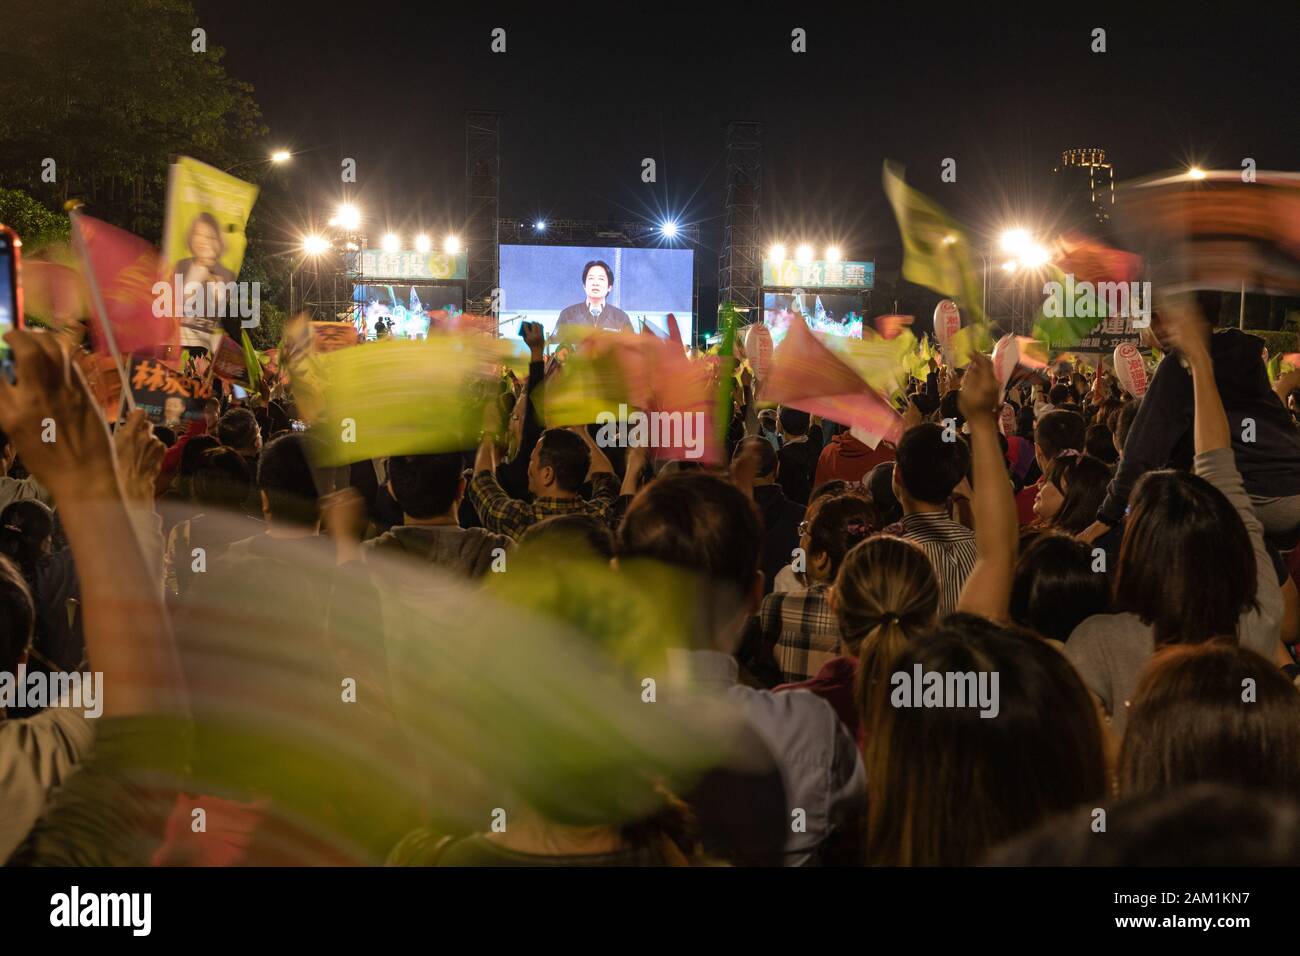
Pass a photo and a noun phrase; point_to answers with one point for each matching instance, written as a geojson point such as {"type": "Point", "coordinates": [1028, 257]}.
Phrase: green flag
{"type": "Point", "coordinates": [935, 253]}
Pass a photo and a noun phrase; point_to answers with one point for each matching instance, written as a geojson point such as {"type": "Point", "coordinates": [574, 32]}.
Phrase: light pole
{"type": "Point", "coordinates": [277, 158]}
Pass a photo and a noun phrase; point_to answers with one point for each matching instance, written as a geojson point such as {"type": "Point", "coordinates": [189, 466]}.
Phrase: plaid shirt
{"type": "Point", "coordinates": [505, 515]}
{"type": "Point", "coordinates": [801, 626]}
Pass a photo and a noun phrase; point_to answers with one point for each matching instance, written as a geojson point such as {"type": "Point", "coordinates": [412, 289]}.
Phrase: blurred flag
{"type": "Point", "coordinates": [674, 333]}
{"type": "Point", "coordinates": [409, 397]}
{"type": "Point", "coordinates": [806, 375]}
{"type": "Point", "coordinates": [1216, 233]}
{"type": "Point", "coordinates": [935, 253]}
{"type": "Point", "coordinates": [890, 326]}
{"type": "Point", "coordinates": [121, 270]}
{"type": "Point", "coordinates": [1091, 261]}
{"type": "Point", "coordinates": [53, 291]}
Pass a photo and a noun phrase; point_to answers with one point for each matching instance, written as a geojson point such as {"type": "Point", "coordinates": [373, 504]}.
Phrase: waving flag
{"type": "Point", "coordinates": [805, 374]}
{"type": "Point", "coordinates": [935, 253]}
{"type": "Point", "coordinates": [121, 270]}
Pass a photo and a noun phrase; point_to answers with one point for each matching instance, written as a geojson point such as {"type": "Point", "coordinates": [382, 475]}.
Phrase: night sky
{"type": "Point", "coordinates": [588, 93]}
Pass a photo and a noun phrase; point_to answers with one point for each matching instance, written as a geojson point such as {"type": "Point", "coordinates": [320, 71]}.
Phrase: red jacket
{"type": "Point", "coordinates": [848, 459]}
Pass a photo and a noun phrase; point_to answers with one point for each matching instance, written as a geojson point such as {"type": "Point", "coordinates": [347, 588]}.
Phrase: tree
{"type": "Point", "coordinates": [111, 92]}
{"type": "Point", "coordinates": [36, 224]}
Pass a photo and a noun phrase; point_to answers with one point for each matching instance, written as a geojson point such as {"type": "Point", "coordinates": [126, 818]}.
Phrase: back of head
{"type": "Point", "coordinates": [193, 453]}
{"type": "Point", "coordinates": [928, 467]}
{"type": "Point", "coordinates": [698, 522]}
{"type": "Point", "coordinates": [566, 453]}
{"type": "Point", "coordinates": [1186, 565]}
{"type": "Point", "coordinates": [1124, 420]}
{"type": "Point", "coordinates": [880, 484]}
{"type": "Point", "coordinates": [17, 615]}
{"type": "Point", "coordinates": [1060, 394]}
{"type": "Point", "coordinates": [767, 459]}
{"type": "Point", "coordinates": [1212, 713]}
{"type": "Point", "coordinates": [238, 429]}
{"type": "Point", "coordinates": [284, 476]}
{"type": "Point", "coordinates": [1059, 430]}
{"type": "Point", "coordinates": [1203, 825]}
{"type": "Point", "coordinates": [574, 535]}
{"type": "Point", "coordinates": [1085, 480]}
{"type": "Point", "coordinates": [793, 421]}
{"type": "Point", "coordinates": [164, 435]}
{"type": "Point", "coordinates": [838, 525]}
{"type": "Point", "coordinates": [425, 486]}
{"type": "Point", "coordinates": [1100, 444]}
{"type": "Point", "coordinates": [221, 479]}
{"type": "Point", "coordinates": [1055, 588]}
{"type": "Point", "coordinates": [967, 759]}
{"type": "Point", "coordinates": [836, 486]}
{"type": "Point", "coordinates": [886, 594]}
{"type": "Point", "coordinates": [25, 530]}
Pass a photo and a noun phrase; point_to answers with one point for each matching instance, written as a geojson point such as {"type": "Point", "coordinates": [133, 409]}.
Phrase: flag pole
{"type": "Point", "coordinates": [79, 243]}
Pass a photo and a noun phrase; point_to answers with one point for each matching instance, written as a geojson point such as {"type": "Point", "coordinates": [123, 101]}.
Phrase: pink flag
{"type": "Point", "coordinates": [805, 374]}
{"type": "Point", "coordinates": [674, 333]}
{"type": "Point", "coordinates": [122, 268]}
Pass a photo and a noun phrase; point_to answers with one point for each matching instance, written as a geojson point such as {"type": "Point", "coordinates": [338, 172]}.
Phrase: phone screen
{"type": "Point", "coordinates": [8, 299]}
{"type": "Point", "coordinates": [239, 392]}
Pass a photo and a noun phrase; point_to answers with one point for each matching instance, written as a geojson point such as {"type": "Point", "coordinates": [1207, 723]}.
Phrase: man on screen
{"type": "Point", "coordinates": [597, 280]}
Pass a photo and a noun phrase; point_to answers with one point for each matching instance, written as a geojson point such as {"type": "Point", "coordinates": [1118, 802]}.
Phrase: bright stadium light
{"type": "Point", "coordinates": [539, 225]}
{"type": "Point", "coordinates": [804, 253]}
{"type": "Point", "coordinates": [314, 245]}
{"type": "Point", "coordinates": [348, 216]}
{"type": "Point", "coordinates": [669, 229]}
{"type": "Point", "coordinates": [1034, 256]}
{"type": "Point", "coordinates": [281, 156]}
{"type": "Point", "coordinates": [423, 243]}
{"type": "Point", "coordinates": [833, 254]}
{"type": "Point", "coordinates": [391, 242]}
{"type": "Point", "coordinates": [1196, 173]}
{"type": "Point", "coordinates": [1016, 241]}
{"type": "Point", "coordinates": [451, 245]}
{"type": "Point", "coordinates": [776, 253]}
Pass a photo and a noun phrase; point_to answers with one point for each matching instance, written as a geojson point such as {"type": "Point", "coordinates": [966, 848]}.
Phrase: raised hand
{"type": "Point", "coordinates": [53, 420]}
{"type": "Point", "coordinates": [139, 457]}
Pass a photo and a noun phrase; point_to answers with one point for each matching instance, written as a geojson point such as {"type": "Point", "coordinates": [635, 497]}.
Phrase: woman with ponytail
{"type": "Point", "coordinates": [885, 594]}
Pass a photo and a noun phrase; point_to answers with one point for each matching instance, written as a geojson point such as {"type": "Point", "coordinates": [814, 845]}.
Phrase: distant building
{"type": "Point", "coordinates": [1084, 184]}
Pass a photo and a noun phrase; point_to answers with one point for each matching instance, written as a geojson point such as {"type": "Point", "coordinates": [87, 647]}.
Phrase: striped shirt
{"type": "Point", "coordinates": [802, 629]}
{"type": "Point", "coordinates": [949, 546]}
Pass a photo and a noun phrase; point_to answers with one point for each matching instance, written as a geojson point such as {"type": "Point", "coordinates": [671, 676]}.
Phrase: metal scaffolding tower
{"type": "Point", "coordinates": [482, 196]}
{"type": "Point", "coordinates": [740, 265]}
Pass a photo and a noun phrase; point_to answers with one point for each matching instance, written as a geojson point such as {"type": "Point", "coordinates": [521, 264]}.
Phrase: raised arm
{"type": "Point", "coordinates": [57, 427]}
{"type": "Point", "coordinates": [987, 590]}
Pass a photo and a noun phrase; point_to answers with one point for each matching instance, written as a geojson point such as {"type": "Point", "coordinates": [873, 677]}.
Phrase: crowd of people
{"type": "Point", "coordinates": [542, 651]}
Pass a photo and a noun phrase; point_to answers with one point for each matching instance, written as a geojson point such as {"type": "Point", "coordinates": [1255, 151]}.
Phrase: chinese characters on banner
{"type": "Point", "coordinates": [819, 274]}
{"type": "Point", "coordinates": [166, 396]}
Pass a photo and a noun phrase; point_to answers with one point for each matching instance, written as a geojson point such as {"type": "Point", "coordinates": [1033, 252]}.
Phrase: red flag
{"type": "Point", "coordinates": [806, 375]}
{"type": "Point", "coordinates": [124, 269]}
{"type": "Point", "coordinates": [1091, 261]}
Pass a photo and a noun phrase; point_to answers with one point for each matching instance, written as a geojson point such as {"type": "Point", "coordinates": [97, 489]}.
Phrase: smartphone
{"type": "Point", "coordinates": [11, 294]}
{"type": "Point", "coordinates": [240, 393]}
